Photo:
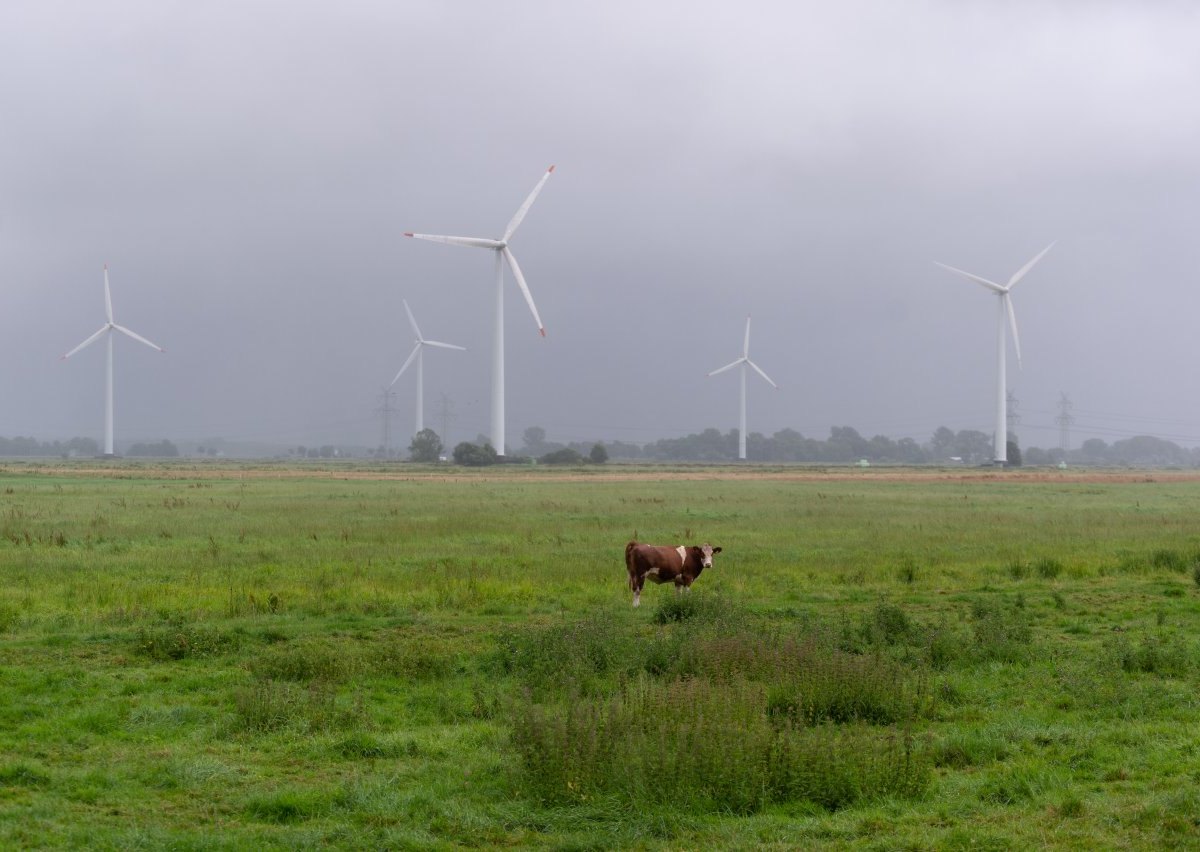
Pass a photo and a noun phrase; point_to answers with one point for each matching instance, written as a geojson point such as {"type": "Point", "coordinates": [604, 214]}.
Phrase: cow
{"type": "Point", "coordinates": [679, 565]}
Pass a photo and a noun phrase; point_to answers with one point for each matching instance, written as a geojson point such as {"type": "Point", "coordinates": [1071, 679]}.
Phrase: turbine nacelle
{"type": "Point", "coordinates": [1009, 317]}
{"type": "Point", "coordinates": [107, 330]}
{"type": "Point", "coordinates": [504, 256]}
{"type": "Point", "coordinates": [744, 362]}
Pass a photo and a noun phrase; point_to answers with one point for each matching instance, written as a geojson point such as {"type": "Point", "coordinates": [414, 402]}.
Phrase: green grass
{"type": "Point", "coordinates": [263, 656]}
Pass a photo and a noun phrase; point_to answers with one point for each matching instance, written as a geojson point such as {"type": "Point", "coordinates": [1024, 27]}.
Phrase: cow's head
{"type": "Point", "coordinates": [706, 553]}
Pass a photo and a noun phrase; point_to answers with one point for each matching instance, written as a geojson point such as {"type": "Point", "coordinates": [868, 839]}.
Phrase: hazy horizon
{"type": "Point", "coordinates": [247, 172]}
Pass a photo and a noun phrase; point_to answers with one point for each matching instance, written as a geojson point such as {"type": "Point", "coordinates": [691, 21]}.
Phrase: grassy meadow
{"type": "Point", "coordinates": [245, 656]}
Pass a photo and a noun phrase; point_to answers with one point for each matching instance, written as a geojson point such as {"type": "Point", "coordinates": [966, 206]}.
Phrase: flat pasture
{"type": "Point", "coordinates": [212, 656]}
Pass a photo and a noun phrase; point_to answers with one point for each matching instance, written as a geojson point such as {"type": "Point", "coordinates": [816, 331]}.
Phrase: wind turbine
{"type": "Point", "coordinates": [1000, 446]}
{"type": "Point", "coordinates": [503, 255]}
{"type": "Point", "coordinates": [418, 354]}
{"type": "Point", "coordinates": [745, 362]}
{"type": "Point", "coordinates": [107, 331]}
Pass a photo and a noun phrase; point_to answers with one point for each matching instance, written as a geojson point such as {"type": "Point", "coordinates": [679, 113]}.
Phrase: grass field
{"type": "Point", "coordinates": [272, 657]}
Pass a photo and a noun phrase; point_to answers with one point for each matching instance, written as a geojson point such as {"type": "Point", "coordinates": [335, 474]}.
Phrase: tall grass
{"type": "Point", "coordinates": [712, 711]}
{"type": "Point", "coordinates": [706, 745]}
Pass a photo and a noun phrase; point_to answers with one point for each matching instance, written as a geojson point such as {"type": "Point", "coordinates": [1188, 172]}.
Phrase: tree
{"type": "Point", "coordinates": [941, 445]}
{"type": "Point", "coordinates": [162, 449]}
{"type": "Point", "coordinates": [1094, 450]}
{"type": "Point", "coordinates": [564, 456]}
{"type": "Point", "coordinates": [474, 455]}
{"type": "Point", "coordinates": [535, 440]}
{"type": "Point", "coordinates": [973, 446]}
{"type": "Point", "coordinates": [1013, 452]}
{"type": "Point", "coordinates": [426, 446]}
{"type": "Point", "coordinates": [598, 455]}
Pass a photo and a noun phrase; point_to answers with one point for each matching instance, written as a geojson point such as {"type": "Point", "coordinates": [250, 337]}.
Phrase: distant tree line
{"type": "Point", "coordinates": [33, 447]}
{"type": "Point", "coordinates": [846, 445]}
{"type": "Point", "coordinates": [163, 449]}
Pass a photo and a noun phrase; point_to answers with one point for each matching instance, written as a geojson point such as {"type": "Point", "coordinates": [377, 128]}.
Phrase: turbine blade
{"type": "Point", "coordinates": [1012, 322]}
{"type": "Point", "coordinates": [411, 356]}
{"type": "Point", "coordinates": [516, 271]}
{"type": "Point", "coordinates": [411, 321]}
{"type": "Point", "coordinates": [137, 337]}
{"type": "Point", "coordinates": [1020, 273]}
{"type": "Point", "coordinates": [728, 366]}
{"type": "Point", "coordinates": [470, 242]}
{"type": "Point", "coordinates": [746, 343]}
{"type": "Point", "coordinates": [85, 343]}
{"type": "Point", "coordinates": [524, 208]}
{"type": "Point", "coordinates": [107, 296]}
{"type": "Point", "coordinates": [989, 284]}
{"type": "Point", "coordinates": [758, 370]}
{"type": "Point", "coordinates": [441, 345]}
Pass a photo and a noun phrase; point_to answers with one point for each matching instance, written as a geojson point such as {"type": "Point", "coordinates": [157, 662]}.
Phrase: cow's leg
{"type": "Point", "coordinates": [637, 583]}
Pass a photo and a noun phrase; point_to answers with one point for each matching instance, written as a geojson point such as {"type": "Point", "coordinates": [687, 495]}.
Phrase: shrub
{"type": "Point", "coordinates": [564, 456]}
{"type": "Point", "coordinates": [473, 455]}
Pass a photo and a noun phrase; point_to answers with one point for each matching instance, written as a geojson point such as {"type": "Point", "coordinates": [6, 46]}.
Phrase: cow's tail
{"type": "Point", "coordinates": [629, 563]}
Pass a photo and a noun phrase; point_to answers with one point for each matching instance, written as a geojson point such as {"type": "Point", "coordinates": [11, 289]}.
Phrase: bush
{"type": "Point", "coordinates": [564, 456]}
{"type": "Point", "coordinates": [426, 447]}
{"type": "Point", "coordinates": [473, 455]}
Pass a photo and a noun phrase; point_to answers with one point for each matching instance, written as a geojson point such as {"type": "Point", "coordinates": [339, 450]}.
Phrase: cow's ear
{"type": "Point", "coordinates": [716, 550]}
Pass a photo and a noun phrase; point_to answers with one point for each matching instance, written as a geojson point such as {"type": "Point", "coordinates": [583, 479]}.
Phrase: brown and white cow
{"type": "Point", "coordinates": [679, 565]}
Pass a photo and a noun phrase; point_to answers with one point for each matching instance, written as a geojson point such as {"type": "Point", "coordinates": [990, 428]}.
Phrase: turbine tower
{"type": "Point", "coordinates": [745, 362]}
{"type": "Point", "coordinates": [418, 354]}
{"type": "Point", "coordinates": [107, 331]}
{"type": "Point", "coordinates": [1000, 445]}
{"type": "Point", "coordinates": [503, 255]}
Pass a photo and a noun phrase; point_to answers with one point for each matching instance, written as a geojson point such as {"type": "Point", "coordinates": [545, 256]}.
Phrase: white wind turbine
{"type": "Point", "coordinates": [1000, 443]}
{"type": "Point", "coordinates": [107, 331]}
{"type": "Point", "coordinates": [745, 362]}
{"type": "Point", "coordinates": [503, 254]}
{"type": "Point", "coordinates": [418, 354]}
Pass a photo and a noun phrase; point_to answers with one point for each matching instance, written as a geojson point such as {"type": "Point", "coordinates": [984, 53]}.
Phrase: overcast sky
{"type": "Point", "coordinates": [247, 170]}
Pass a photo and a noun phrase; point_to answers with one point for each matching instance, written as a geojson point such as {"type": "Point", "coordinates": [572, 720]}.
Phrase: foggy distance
{"type": "Point", "coordinates": [247, 173]}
